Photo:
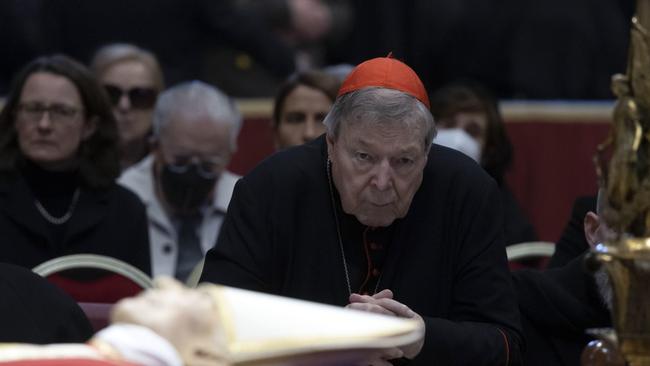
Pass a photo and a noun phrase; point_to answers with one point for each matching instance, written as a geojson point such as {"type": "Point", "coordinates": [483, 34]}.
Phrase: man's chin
{"type": "Point", "coordinates": [376, 221]}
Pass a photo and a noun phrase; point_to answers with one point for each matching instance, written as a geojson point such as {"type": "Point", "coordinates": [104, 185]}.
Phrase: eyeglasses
{"type": "Point", "coordinates": [206, 167]}
{"type": "Point", "coordinates": [140, 98]}
{"type": "Point", "coordinates": [58, 113]}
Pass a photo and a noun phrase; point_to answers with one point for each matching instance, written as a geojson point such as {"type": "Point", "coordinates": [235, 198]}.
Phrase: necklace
{"type": "Point", "coordinates": [58, 220]}
{"type": "Point", "coordinates": [338, 232]}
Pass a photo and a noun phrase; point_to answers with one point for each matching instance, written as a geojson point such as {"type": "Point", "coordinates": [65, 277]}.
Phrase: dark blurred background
{"type": "Point", "coordinates": [524, 49]}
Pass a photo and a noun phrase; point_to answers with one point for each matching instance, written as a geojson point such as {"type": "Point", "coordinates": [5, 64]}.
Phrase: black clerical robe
{"type": "Point", "coordinates": [446, 259]}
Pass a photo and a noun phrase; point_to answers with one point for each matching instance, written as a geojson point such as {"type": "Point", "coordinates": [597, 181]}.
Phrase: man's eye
{"type": "Point", "coordinates": [405, 161]}
{"type": "Point", "coordinates": [363, 156]}
{"type": "Point", "coordinates": [182, 160]}
{"type": "Point", "coordinates": [208, 166]}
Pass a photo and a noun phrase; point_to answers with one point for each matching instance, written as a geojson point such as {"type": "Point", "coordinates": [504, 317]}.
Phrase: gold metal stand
{"type": "Point", "coordinates": [627, 262]}
{"type": "Point", "coordinates": [626, 180]}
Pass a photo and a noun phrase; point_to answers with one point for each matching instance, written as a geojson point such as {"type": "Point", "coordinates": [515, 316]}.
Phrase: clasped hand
{"type": "Point", "coordinates": [383, 303]}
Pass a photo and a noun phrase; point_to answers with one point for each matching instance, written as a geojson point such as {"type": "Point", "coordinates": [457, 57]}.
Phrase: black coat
{"type": "Point", "coordinates": [516, 228]}
{"type": "Point", "coordinates": [109, 222]}
{"type": "Point", "coordinates": [446, 260]}
{"type": "Point", "coordinates": [573, 243]}
{"type": "Point", "coordinates": [34, 311]}
{"type": "Point", "coordinates": [557, 307]}
{"type": "Point", "coordinates": [559, 304]}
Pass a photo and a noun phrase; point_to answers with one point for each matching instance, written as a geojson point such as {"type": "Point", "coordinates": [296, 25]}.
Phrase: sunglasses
{"type": "Point", "coordinates": [139, 98]}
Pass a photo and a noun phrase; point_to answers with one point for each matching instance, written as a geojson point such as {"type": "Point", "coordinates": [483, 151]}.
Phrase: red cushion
{"type": "Point", "coordinates": [107, 288]}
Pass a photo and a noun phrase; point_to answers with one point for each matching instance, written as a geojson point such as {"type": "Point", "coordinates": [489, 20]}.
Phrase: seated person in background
{"type": "Point", "coordinates": [573, 242]}
{"type": "Point", "coordinates": [468, 120]}
{"type": "Point", "coordinates": [32, 310]}
{"type": "Point", "coordinates": [58, 165]}
{"type": "Point", "coordinates": [559, 304]}
{"type": "Point", "coordinates": [374, 217]}
{"type": "Point", "coordinates": [184, 182]}
{"type": "Point", "coordinates": [300, 106]}
{"type": "Point", "coordinates": [132, 78]}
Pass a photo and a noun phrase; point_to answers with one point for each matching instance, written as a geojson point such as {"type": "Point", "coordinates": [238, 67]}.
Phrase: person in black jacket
{"type": "Point", "coordinates": [559, 304]}
{"type": "Point", "coordinates": [572, 242]}
{"type": "Point", "coordinates": [58, 165]}
{"type": "Point", "coordinates": [34, 311]}
{"type": "Point", "coordinates": [374, 217]}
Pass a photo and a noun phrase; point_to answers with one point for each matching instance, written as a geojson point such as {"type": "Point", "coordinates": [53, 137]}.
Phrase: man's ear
{"type": "Point", "coordinates": [591, 225]}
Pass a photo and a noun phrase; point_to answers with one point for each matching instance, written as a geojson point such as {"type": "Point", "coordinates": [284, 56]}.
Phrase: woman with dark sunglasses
{"type": "Point", "coordinates": [132, 78]}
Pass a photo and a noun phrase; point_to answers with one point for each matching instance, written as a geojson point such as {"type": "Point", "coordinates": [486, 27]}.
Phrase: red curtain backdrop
{"type": "Point", "coordinates": [553, 165]}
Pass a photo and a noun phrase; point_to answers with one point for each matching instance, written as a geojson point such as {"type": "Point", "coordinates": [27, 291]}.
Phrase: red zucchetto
{"type": "Point", "coordinates": [385, 72]}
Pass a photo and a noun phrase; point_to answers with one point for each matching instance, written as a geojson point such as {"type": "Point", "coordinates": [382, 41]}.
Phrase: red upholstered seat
{"type": "Point", "coordinates": [106, 287]}
{"type": "Point", "coordinates": [95, 282]}
{"type": "Point", "coordinates": [96, 296]}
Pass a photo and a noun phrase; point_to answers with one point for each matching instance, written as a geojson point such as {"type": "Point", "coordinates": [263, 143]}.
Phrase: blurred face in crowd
{"type": "Point", "coordinates": [377, 168]}
{"type": "Point", "coordinates": [131, 88]}
{"type": "Point", "coordinates": [192, 152]}
{"type": "Point", "coordinates": [50, 121]}
{"type": "Point", "coordinates": [473, 123]}
{"type": "Point", "coordinates": [302, 115]}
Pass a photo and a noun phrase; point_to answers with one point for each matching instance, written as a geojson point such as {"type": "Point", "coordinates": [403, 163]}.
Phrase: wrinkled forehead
{"type": "Point", "coordinates": [377, 131]}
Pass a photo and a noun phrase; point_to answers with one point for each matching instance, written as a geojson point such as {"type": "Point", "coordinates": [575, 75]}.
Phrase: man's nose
{"type": "Point", "coordinates": [382, 175]}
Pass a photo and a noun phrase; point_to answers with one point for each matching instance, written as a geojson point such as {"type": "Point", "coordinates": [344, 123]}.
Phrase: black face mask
{"type": "Point", "coordinates": [185, 190]}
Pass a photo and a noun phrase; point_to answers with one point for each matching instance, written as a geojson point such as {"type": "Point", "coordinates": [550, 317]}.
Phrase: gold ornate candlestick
{"type": "Point", "coordinates": [626, 180]}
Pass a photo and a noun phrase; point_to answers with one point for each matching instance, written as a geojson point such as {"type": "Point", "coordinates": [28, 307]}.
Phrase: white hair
{"type": "Point", "coordinates": [381, 106]}
{"type": "Point", "coordinates": [196, 98]}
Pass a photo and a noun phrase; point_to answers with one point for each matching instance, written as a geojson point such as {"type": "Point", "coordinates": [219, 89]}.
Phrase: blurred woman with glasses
{"type": "Point", "coordinates": [58, 165]}
{"type": "Point", "coordinates": [133, 79]}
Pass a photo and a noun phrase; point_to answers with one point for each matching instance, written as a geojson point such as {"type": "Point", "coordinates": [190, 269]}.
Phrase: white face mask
{"type": "Point", "coordinates": [458, 139]}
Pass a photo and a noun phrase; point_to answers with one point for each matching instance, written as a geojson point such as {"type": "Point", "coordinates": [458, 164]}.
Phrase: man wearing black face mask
{"type": "Point", "coordinates": [184, 182]}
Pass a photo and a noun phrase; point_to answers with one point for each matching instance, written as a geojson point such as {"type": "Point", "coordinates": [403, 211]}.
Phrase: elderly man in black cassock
{"type": "Point", "coordinates": [374, 217]}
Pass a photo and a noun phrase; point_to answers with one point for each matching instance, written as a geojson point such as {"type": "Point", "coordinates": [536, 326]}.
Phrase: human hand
{"type": "Point", "coordinates": [382, 357]}
{"type": "Point", "coordinates": [383, 303]}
